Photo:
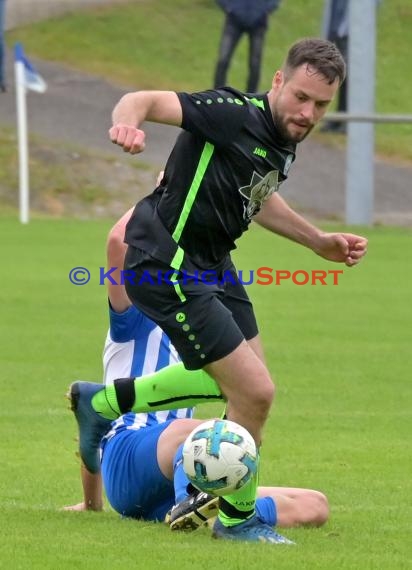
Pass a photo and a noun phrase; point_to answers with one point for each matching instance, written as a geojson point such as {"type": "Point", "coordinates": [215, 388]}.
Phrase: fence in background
{"type": "Point", "coordinates": [369, 118]}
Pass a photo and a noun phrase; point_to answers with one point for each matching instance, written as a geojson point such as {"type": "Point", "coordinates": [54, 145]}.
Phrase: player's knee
{"type": "Point", "coordinates": [177, 432]}
{"type": "Point", "coordinates": [320, 506]}
{"type": "Point", "coordinates": [268, 392]}
{"type": "Point", "coordinates": [323, 513]}
{"type": "Point", "coordinates": [263, 394]}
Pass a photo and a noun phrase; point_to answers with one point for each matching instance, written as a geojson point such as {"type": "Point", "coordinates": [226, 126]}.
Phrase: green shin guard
{"type": "Point", "coordinates": [240, 506]}
{"type": "Point", "coordinates": [170, 388]}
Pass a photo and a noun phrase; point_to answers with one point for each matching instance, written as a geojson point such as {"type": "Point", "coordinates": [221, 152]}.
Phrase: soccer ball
{"type": "Point", "coordinates": [219, 457]}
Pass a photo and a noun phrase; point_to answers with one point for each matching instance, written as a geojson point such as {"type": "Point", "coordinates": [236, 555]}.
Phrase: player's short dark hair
{"type": "Point", "coordinates": [321, 55]}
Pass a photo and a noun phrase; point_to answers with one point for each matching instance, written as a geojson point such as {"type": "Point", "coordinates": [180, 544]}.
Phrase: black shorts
{"type": "Point", "coordinates": [205, 313]}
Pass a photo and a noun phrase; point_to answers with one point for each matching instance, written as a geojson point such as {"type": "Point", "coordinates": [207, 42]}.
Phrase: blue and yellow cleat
{"type": "Point", "coordinates": [92, 426]}
{"type": "Point", "coordinates": [252, 530]}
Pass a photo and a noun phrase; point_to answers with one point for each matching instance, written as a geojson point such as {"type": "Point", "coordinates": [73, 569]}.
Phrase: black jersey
{"type": "Point", "coordinates": [225, 163]}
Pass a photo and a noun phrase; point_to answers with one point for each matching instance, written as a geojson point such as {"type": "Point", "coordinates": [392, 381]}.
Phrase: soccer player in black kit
{"type": "Point", "coordinates": [224, 170]}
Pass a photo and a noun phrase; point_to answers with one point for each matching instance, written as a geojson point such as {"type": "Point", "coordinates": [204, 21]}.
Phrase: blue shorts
{"type": "Point", "coordinates": [135, 486]}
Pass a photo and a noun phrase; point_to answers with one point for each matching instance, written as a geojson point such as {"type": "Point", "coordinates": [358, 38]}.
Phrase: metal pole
{"type": "Point", "coordinates": [361, 100]}
{"type": "Point", "coordinates": [21, 104]}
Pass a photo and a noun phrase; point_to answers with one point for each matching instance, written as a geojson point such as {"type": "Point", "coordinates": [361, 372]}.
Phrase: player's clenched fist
{"type": "Point", "coordinates": [131, 139]}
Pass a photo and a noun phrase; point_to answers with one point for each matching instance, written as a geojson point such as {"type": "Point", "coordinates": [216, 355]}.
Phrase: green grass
{"type": "Point", "coordinates": [173, 45]}
{"type": "Point", "coordinates": [68, 180]}
{"type": "Point", "coordinates": [341, 423]}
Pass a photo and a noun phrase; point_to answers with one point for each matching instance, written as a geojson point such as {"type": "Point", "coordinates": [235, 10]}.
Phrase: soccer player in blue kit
{"type": "Point", "coordinates": [223, 172]}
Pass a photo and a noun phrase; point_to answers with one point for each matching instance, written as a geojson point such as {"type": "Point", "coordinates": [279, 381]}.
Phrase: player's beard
{"type": "Point", "coordinates": [282, 127]}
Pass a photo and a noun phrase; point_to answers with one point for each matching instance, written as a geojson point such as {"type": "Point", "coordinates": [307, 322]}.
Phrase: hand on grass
{"type": "Point", "coordinates": [81, 507]}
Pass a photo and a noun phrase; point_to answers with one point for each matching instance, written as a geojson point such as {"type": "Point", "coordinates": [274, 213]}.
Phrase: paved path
{"type": "Point", "coordinates": [77, 108]}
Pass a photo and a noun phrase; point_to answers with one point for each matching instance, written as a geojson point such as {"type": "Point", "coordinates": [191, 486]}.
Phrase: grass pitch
{"type": "Point", "coordinates": [341, 422]}
{"type": "Point", "coordinates": [340, 354]}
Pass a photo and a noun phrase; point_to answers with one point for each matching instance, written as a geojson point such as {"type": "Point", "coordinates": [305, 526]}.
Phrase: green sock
{"type": "Point", "coordinates": [240, 506]}
{"type": "Point", "coordinates": [170, 388]}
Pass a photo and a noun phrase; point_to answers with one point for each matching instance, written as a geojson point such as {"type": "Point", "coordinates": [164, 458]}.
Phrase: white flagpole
{"type": "Point", "coordinates": [21, 105]}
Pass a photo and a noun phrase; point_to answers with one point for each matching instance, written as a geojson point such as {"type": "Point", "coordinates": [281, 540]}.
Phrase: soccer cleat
{"type": "Point", "coordinates": [193, 512]}
{"type": "Point", "coordinates": [252, 530]}
{"type": "Point", "coordinates": [92, 426]}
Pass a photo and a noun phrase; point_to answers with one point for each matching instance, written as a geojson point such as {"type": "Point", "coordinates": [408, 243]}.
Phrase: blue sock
{"type": "Point", "coordinates": [266, 510]}
{"type": "Point", "coordinates": [180, 481]}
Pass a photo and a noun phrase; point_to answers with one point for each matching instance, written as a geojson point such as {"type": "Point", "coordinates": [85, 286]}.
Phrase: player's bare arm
{"type": "Point", "coordinates": [279, 218]}
{"type": "Point", "coordinates": [92, 492]}
{"type": "Point", "coordinates": [135, 108]}
{"type": "Point", "coordinates": [116, 250]}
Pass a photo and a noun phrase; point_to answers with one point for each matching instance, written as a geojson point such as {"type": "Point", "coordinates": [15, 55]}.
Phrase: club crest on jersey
{"type": "Point", "coordinates": [259, 190]}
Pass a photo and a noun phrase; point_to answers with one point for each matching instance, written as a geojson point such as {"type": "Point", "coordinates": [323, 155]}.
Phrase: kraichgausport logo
{"type": "Point", "coordinates": [261, 276]}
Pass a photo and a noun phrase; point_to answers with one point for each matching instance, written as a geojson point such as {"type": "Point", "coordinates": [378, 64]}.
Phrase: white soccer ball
{"type": "Point", "coordinates": [219, 457]}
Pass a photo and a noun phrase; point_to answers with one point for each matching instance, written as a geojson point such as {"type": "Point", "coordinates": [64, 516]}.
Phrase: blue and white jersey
{"type": "Point", "coordinates": [136, 346]}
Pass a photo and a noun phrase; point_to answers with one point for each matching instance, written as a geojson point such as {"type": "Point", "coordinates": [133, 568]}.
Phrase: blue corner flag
{"type": "Point", "coordinates": [32, 79]}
